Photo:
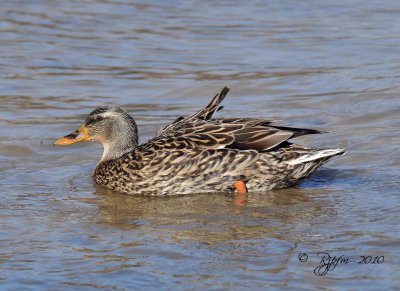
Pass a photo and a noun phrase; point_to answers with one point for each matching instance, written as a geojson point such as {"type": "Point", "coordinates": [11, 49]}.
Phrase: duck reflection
{"type": "Point", "coordinates": [216, 217]}
{"type": "Point", "coordinates": [265, 233]}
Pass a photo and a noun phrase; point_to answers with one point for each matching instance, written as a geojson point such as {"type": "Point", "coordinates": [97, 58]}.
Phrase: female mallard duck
{"type": "Point", "coordinates": [198, 154]}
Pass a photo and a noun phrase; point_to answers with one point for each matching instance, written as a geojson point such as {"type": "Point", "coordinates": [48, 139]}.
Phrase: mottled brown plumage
{"type": "Point", "coordinates": [198, 154]}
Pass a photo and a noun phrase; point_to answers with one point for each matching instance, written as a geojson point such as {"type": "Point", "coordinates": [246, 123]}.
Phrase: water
{"type": "Point", "coordinates": [331, 66]}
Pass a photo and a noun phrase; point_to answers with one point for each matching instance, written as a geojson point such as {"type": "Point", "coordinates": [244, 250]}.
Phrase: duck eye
{"type": "Point", "coordinates": [94, 119]}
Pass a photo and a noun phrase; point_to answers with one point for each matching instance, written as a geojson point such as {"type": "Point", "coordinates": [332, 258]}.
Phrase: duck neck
{"type": "Point", "coordinates": [117, 146]}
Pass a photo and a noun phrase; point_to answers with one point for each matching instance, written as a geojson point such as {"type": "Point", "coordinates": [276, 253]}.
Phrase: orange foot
{"type": "Point", "coordinates": [241, 197]}
{"type": "Point", "coordinates": [240, 187]}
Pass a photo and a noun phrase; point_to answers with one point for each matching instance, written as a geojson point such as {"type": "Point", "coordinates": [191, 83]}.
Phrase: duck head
{"type": "Point", "coordinates": [113, 127]}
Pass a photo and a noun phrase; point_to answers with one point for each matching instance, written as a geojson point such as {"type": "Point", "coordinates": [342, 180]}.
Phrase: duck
{"type": "Point", "coordinates": [198, 153]}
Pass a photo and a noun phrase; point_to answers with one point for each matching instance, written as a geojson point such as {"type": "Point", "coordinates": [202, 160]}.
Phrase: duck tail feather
{"type": "Point", "coordinates": [320, 154]}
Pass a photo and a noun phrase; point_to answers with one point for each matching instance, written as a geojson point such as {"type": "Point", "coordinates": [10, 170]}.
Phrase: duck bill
{"type": "Point", "coordinates": [81, 134]}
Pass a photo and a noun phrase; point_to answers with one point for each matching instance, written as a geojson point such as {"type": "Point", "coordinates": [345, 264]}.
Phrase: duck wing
{"type": "Point", "coordinates": [208, 112]}
{"type": "Point", "coordinates": [200, 130]}
{"type": "Point", "coordinates": [241, 134]}
{"type": "Point", "coordinates": [204, 114]}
